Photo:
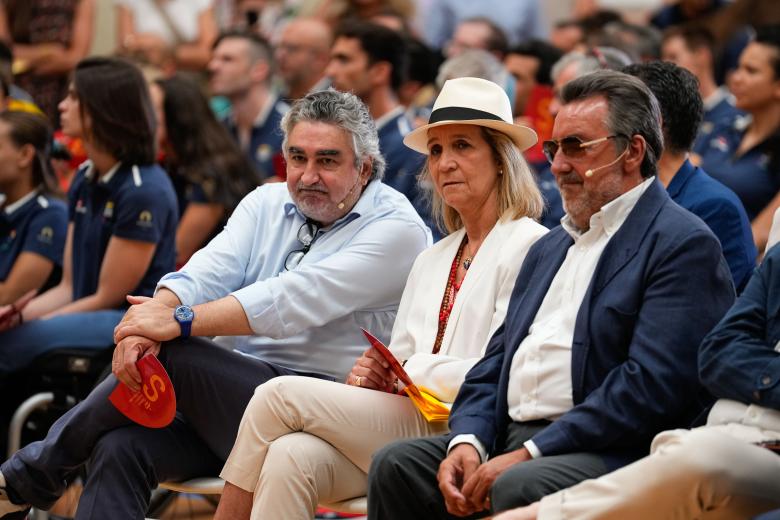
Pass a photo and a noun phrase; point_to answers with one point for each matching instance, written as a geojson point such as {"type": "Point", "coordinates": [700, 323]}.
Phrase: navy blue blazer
{"type": "Point", "coordinates": [738, 360]}
{"type": "Point", "coordinates": [722, 211]}
{"type": "Point", "coordinates": [660, 285]}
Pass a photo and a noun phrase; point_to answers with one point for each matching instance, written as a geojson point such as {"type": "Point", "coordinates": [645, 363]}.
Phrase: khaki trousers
{"type": "Point", "coordinates": [712, 472]}
{"type": "Point", "coordinates": [303, 441]}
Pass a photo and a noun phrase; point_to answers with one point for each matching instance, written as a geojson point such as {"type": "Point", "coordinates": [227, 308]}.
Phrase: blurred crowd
{"type": "Point", "coordinates": [251, 58]}
{"type": "Point", "coordinates": [115, 170]}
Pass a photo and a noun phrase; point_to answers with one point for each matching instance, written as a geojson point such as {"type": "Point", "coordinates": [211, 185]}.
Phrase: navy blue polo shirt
{"type": "Point", "coordinates": [34, 224]}
{"type": "Point", "coordinates": [719, 109]}
{"type": "Point", "coordinates": [135, 203]}
{"type": "Point", "coordinates": [402, 164]}
{"type": "Point", "coordinates": [748, 175]}
{"type": "Point", "coordinates": [722, 211]}
{"type": "Point", "coordinates": [265, 141]}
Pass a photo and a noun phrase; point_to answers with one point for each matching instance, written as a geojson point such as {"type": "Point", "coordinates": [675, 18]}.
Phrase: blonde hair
{"type": "Point", "coordinates": [518, 194]}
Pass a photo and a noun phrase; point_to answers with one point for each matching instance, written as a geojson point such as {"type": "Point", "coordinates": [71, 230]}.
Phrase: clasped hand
{"type": "Point", "coordinates": [372, 370]}
{"type": "Point", "coordinates": [145, 324]}
{"type": "Point", "coordinates": [11, 314]}
{"type": "Point", "coordinates": [148, 318]}
{"type": "Point", "coordinates": [465, 483]}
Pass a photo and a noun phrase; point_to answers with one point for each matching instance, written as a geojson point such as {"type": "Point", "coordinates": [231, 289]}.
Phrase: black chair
{"type": "Point", "coordinates": [51, 386]}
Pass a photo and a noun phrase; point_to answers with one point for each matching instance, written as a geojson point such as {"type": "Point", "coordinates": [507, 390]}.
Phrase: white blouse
{"type": "Point", "coordinates": [479, 309]}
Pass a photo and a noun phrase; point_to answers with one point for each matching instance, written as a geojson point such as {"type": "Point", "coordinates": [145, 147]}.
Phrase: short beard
{"type": "Point", "coordinates": [582, 208]}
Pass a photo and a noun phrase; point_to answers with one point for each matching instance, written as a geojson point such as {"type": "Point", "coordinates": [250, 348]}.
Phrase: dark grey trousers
{"type": "Point", "coordinates": [127, 461]}
{"type": "Point", "coordinates": [402, 479]}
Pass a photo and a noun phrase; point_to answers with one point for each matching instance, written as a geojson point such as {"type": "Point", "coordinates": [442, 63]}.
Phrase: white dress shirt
{"type": "Point", "coordinates": [540, 375]}
{"type": "Point", "coordinates": [308, 318]}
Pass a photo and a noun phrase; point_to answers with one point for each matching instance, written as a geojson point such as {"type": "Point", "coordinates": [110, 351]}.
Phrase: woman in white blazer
{"type": "Point", "coordinates": [303, 440]}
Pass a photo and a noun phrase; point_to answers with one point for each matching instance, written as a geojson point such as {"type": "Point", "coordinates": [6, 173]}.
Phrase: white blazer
{"type": "Point", "coordinates": [479, 309]}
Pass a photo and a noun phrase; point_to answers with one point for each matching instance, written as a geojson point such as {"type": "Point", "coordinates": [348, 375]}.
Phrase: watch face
{"type": "Point", "coordinates": [184, 313]}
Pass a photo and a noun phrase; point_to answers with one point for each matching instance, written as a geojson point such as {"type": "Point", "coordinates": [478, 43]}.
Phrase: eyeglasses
{"type": "Point", "coordinates": [572, 146]}
{"type": "Point", "coordinates": [307, 234]}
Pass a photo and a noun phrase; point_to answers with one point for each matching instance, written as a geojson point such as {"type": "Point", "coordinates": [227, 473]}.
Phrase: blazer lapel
{"type": "Point", "coordinates": [532, 285]}
{"type": "Point", "coordinates": [622, 247]}
{"type": "Point", "coordinates": [625, 243]}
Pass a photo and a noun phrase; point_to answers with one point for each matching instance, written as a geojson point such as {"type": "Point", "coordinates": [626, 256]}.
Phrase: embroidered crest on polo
{"type": "Point", "coordinates": [46, 235]}
{"type": "Point", "coordinates": [144, 219]}
{"type": "Point", "coordinates": [472, 101]}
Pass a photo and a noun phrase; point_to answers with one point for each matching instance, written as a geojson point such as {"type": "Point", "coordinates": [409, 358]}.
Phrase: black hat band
{"type": "Point", "coordinates": [460, 114]}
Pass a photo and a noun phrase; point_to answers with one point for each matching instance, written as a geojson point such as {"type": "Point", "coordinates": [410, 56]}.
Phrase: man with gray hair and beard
{"type": "Point", "coordinates": [297, 271]}
{"type": "Point", "coordinates": [598, 350]}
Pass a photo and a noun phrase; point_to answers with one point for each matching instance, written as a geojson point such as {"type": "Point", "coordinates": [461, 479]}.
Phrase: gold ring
{"type": "Point", "coordinates": [358, 380]}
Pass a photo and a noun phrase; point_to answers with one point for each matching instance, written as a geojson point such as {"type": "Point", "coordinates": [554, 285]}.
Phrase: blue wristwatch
{"type": "Point", "coordinates": [184, 315]}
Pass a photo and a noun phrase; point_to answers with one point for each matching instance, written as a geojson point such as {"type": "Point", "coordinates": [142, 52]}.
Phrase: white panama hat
{"type": "Point", "coordinates": [472, 101]}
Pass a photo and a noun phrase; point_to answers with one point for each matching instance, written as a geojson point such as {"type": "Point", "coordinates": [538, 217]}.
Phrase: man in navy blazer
{"type": "Point", "coordinates": [723, 469]}
{"type": "Point", "coordinates": [598, 350]}
{"type": "Point", "coordinates": [689, 186]}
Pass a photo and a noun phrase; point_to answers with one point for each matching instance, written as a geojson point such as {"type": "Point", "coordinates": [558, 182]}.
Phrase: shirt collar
{"type": "Point", "coordinates": [383, 120]}
{"type": "Point", "coordinates": [105, 179]}
{"type": "Point", "coordinates": [612, 214]}
{"type": "Point", "coordinates": [262, 117]}
{"type": "Point", "coordinates": [9, 210]}
{"type": "Point", "coordinates": [742, 122]}
{"type": "Point", "coordinates": [720, 94]}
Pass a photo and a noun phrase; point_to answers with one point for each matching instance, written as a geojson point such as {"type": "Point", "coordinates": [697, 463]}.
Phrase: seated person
{"type": "Point", "coordinates": [693, 48]}
{"type": "Point", "coordinates": [33, 221]}
{"type": "Point", "coordinates": [690, 186]}
{"type": "Point", "coordinates": [241, 71]}
{"type": "Point", "coordinates": [296, 272]}
{"type": "Point", "coordinates": [169, 35]}
{"type": "Point", "coordinates": [743, 152]}
{"type": "Point", "coordinates": [47, 41]}
{"type": "Point", "coordinates": [455, 298]}
{"type": "Point", "coordinates": [122, 212]}
{"type": "Point", "coordinates": [721, 470]}
{"type": "Point", "coordinates": [370, 60]}
{"type": "Point", "coordinates": [202, 159]}
{"type": "Point", "coordinates": [598, 350]}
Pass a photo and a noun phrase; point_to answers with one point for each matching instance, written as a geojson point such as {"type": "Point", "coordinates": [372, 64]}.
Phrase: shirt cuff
{"type": "Point", "coordinates": [467, 438]}
{"type": "Point", "coordinates": [180, 285]}
{"type": "Point", "coordinates": [532, 449]}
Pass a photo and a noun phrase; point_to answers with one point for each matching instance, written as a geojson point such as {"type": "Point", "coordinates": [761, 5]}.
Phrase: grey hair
{"type": "Point", "coordinates": [633, 109]}
{"type": "Point", "coordinates": [475, 63]}
{"type": "Point", "coordinates": [611, 58]}
{"type": "Point", "coordinates": [346, 111]}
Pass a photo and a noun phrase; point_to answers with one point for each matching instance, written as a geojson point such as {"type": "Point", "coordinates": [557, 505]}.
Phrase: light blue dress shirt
{"type": "Point", "coordinates": [309, 318]}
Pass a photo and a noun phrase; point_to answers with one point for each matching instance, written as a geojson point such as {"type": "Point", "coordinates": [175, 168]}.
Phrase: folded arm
{"type": "Point", "coordinates": [738, 360]}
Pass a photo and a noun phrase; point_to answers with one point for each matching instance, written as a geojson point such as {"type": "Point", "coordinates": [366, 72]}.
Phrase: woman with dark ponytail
{"type": "Point", "coordinates": [33, 221]}
{"type": "Point", "coordinates": [122, 219]}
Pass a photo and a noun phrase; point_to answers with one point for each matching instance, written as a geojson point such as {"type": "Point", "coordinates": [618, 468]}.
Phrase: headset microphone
{"type": "Point", "coordinates": [341, 204]}
{"type": "Point", "coordinates": [589, 173]}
